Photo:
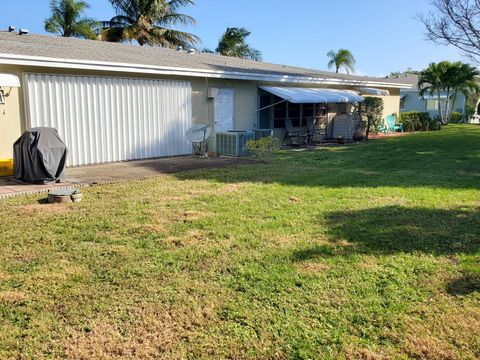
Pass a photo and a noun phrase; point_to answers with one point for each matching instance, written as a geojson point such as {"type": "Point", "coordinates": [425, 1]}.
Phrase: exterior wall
{"type": "Point", "coordinates": [13, 121]}
{"type": "Point", "coordinates": [413, 102]}
{"type": "Point", "coordinates": [391, 103]}
{"type": "Point", "coordinates": [11, 125]}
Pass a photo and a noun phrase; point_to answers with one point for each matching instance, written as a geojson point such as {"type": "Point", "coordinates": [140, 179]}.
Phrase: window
{"type": "Point", "coordinates": [432, 104]}
{"type": "Point", "coordinates": [402, 103]}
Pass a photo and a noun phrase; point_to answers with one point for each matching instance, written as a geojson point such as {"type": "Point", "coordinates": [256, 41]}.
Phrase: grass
{"type": "Point", "coordinates": [367, 251]}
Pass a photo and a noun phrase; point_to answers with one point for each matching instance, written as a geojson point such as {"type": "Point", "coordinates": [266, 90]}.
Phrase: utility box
{"type": "Point", "coordinates": [233, 143]}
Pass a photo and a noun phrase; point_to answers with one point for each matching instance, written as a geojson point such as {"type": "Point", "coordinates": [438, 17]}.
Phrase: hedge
{"type": "Point", "coordinates": [416, 120]}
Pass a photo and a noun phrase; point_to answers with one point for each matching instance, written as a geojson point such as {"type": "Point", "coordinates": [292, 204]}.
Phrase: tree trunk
{"type": "Point", "coordinates": [440, 108]}
{"type": "Point", "coordinates": [447, 100]}
{"type": "Point", "coordinates": [367, 132]}
{"type": "Point", "coordinates": [452, 106]}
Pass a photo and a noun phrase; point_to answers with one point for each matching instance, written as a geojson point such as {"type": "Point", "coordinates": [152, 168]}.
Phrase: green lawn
{"type": "Point", "coordinates": [363, 251]}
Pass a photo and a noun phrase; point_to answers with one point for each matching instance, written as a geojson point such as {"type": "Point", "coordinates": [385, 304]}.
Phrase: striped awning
{"type": "Point", "coordinates": [299, 95]}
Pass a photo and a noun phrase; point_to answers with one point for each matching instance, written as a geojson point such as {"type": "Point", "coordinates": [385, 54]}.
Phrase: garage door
{"type": "Point", "coordinates": [104, 119]}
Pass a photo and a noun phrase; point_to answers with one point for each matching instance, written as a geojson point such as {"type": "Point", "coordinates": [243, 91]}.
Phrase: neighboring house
{"type": "Point", "coordinates": [410, 99]}
{"type": "Point", "coordinates": [113, 102]}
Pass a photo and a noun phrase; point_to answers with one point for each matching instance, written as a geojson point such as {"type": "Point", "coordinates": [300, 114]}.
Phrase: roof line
{"type": "Point", "coordinates": [40, 61]}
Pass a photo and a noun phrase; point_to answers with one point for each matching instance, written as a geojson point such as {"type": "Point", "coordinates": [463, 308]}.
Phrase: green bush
{"type": "Point", "coordinates": [264, 148]}
{"type": "Point", "coordinates": [418, 121]}
{"type": "Point", "coordinates": [470, 111]}
{"type": "Point", "coordinates": [456, 117]}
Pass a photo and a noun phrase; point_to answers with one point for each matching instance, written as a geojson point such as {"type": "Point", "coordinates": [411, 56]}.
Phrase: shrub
{"type": "Point", "coordinates": [416, 120]}
{"type": "Point", "coordinates": [370, 111]}
{"type": "Point", "coordinates": [456, 117]}
{"type": "Point", "coordinates": [470, 111]}
{"type": "Point", "coordinates": [264, 148]}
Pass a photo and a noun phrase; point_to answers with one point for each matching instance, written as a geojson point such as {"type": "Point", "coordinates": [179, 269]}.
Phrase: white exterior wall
{"type": "Point", "coordinates": [105, 119]}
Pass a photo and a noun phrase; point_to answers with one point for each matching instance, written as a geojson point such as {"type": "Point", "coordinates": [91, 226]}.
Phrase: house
{"type": "Point", "coordinates": [113, 102]}
{"type": "Point", "coordinates": [410, 99]}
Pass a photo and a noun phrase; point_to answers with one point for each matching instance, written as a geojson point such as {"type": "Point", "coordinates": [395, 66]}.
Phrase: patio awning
{"type": "Point", "coordinates": [299, 95]}
{"type": "Point", "coordinates": [373, 91]}
{"type": "Point", "coordinates": [9, 80]}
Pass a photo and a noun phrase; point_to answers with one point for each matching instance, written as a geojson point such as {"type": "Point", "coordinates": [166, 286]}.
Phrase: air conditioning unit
{"type": "Point", "coordinates": [262, 133]}
{"type": "Point", "coordinates": [233, 143]}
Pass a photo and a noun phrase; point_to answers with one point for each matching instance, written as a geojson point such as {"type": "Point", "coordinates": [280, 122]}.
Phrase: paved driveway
{"type": "Point", "coordinates": [120, 171]}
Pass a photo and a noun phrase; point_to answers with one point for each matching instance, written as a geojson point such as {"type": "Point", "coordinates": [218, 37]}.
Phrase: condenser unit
{"type": "Point", "coordinates": [233, 143]}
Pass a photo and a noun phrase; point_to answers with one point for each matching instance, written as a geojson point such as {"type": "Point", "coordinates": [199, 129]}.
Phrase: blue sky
{"type": "Point", "coordinates": [382, 34]}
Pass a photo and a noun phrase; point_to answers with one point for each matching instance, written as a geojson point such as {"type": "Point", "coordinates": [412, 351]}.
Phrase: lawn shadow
{"type": "Point", "coordinates": [464, 285]}
{"type": "Point", "coordinates": [392, 229]}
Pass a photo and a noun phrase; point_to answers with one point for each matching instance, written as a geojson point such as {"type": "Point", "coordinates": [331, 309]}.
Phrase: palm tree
{"type": "Point", "coordinates": [68, 20]}
{"type": "Point", "coordinates": [233, 43]}
{"type": "Point", "coordinates": [448, 79]}
{"type": "Point", "coordinates": [341, 58]}
{"type": "Point", "coordinates": [431, 81]}
{"type": "Point", "coordinates": [147, 21]}
{"type": "Point", "coordinates": [462, 79]}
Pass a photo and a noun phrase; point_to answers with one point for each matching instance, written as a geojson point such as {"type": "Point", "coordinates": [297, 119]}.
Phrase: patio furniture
{"type": "Point", "coordinates": [295, 136]}
{"type": "Point", "coordinates": [390, 125]}
{"type": "Point", "coordinates": [198, 135]}
{"type": "Point", "coordinates": [316, 129]}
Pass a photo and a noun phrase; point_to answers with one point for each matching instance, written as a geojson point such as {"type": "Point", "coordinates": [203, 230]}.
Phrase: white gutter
{"type": "Point", "coordinates": [13, 59]}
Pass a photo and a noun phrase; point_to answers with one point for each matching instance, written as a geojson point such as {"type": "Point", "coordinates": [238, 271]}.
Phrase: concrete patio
{"type": "Point", "coordinates": [117, 172]}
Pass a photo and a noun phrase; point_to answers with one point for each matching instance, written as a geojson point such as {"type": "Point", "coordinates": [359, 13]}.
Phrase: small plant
{"type": "Point", "coordinates": [456, 117]}
{"type": "Point", "coordinates": [264, 148]}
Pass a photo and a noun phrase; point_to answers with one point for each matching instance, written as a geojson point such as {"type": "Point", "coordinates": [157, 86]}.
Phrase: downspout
{"type": "Point", "coordinates": [211, 142]}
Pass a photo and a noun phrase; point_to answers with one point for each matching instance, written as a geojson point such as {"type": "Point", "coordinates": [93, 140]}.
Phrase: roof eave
{"type": "Point", "coordinates": [37, 61]}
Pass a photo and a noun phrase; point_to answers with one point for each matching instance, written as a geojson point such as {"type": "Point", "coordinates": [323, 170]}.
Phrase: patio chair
{"type": "Point", "coordinates": [390, 125]}
{"type": "Point", "coordinates": [295, 136]}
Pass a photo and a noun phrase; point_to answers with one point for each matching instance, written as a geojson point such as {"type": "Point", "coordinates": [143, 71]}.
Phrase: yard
{"type": "Point", "coordinates": [359, 251]}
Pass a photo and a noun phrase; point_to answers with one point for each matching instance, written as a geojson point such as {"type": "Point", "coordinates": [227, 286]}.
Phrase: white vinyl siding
{"type": "Point", "coordinates": [105, 119]}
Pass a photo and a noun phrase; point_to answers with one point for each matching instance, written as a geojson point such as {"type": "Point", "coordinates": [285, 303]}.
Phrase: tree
{"type": "Point", "coordinates": [371, 114]}
{"type": "Point", "coordinates": [433, 80]}
{"type": "Point", "coordinates": [457, 23]}
{"type": "Point", "coordinates": [146, 21]}
{"type": "Point", "coordinates": [67, 19]}
{"type": "Point", "coordinates": [446, 80]}
{"type": "Point", "coordinates": [233, 43]}
{"type": "Point", "coordinates": [463, 80]}
{"type": "Point", "coordinates": [341, 58]}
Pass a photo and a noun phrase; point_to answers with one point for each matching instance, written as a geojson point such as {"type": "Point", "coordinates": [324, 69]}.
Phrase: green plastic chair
{"type": "Point", "coordinates": [390, 125]}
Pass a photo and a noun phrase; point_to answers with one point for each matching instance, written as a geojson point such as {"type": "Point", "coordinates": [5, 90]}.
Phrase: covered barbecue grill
{"type": "Point", "coordinates": [39, 156]}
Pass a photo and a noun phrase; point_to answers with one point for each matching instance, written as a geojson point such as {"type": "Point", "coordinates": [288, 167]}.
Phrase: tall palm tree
{"type": "Point", "coordinates": [341, 58]}
{"type": "Point", "coordinates": [147, 22]}
{"type": "Point", "coordinates": [233, 43]}
{"type": "Point", "coordinates": [67, 19]}
{"type": "Point", "coordinates": [462, 79]}
{"type": "Point", "coordinates": [432, 81]}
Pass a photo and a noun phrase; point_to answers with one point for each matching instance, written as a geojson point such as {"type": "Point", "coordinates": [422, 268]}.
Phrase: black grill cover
{"type": "Point", "coordinates": [39, 156]}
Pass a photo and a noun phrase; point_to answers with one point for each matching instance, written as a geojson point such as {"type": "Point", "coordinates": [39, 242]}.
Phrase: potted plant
{"type": "Point", "coordinates": [359, 135]}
